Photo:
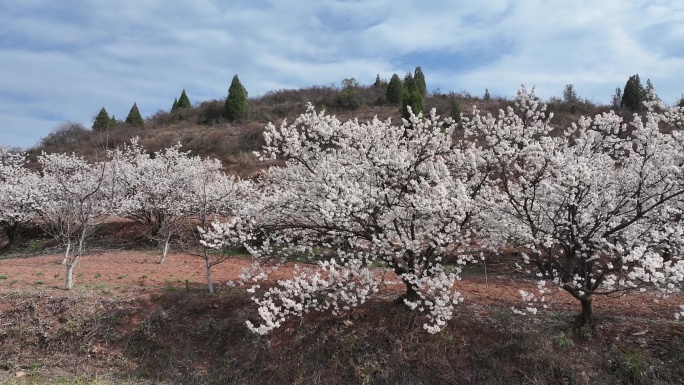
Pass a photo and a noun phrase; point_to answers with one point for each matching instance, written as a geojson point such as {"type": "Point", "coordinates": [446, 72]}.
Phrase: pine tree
{"type": "Point", "coordinates": [237, 106]}
{"type": "Point", "coordinates": [102, 121]}
{"type": "Point", "coordinates": [395, 90]}
{"type": "Point", "coordinates": [378, 81]}
{"type": "Point", "coordinates": [419, 78]}
{"type": "Point", "coordinates": [134, 118]}
{"type": "Point", "coordinates": [617, 98]}
{"type": "Point", "coordinates": [681, 102]}
{"type": "Point", "coordinates": [175, 105]}
{"type": "Point", "coordinates": [487, 96]}
{"type": "Point", "coordinates": [183, 101]}
{"type": "Point", "coordinates": [412, 97]}
{"type": "Point", "coordinates": [634, 94]}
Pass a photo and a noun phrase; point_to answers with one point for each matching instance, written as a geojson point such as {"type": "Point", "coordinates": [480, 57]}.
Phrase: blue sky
{"type": "Point", "coordinates": [61, 61]}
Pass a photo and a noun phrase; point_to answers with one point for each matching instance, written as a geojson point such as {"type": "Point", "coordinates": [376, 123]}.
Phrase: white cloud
{"type": "Point", "coordinates": [63, 61]}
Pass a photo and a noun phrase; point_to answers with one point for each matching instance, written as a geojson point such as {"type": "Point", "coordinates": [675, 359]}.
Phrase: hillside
{"type": "Point", "coordinates": [202, 130]}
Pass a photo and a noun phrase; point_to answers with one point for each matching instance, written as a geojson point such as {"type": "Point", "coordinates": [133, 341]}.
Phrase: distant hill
{"type": "Point", "coordinates": [202, 130]}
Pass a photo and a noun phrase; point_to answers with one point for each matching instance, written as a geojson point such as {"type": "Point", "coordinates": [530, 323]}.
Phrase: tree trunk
{"type": "Point", "coordinates": [165, 249]}
{"type": "Point", "coordinates": [210, 284]}
{"type": "Point", "coordinates": [586, 317]}
{"type": "Point", "coordinates": [75, 259]}
{"type": "Point", "coordinates": [11, 238]}
{"type": "Point", "coordinates": [66, 253]}
{"type": "Point", "coordinates": [411, 292]}
{"type": "Point", "coordinates": [70, 274]}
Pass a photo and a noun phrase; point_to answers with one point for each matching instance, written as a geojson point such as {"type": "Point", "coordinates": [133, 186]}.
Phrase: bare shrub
{"type": "Point", "coordinates": [210, 112]}
{"type": "Point", "coordinates": [65, 137]}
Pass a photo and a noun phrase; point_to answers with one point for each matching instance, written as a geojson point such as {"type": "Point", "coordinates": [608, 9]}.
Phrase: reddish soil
{"type": "Point", "coordinates": [117, 272]}
{"type": "Point", "coordinates": [120, 314]}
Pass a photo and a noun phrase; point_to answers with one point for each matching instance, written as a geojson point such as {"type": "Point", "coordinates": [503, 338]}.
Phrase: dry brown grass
{"type": "Point", "coordinates": [176, 336]}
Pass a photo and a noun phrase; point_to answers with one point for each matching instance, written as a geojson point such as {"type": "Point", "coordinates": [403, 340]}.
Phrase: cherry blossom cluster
{"type": "Point", "coordinates": [161, 191]}
{"type": "Point", "coordinates": [336, 285]}
{"type": "Point", "coordinates": [595, 208]}
{"type": "Point", "coordinates": [70, 196]}
{"type": "Point", "coordinates": [352, 195]}
{"type": "Point", "coordinates": [18, 195]}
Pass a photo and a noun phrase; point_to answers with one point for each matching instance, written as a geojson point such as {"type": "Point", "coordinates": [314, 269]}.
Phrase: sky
{"type": "Point", "coordinates": [61, 61]}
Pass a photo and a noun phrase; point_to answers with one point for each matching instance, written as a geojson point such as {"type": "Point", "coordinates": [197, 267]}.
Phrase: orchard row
{"type": "Point", "coordinates": [594, 208]}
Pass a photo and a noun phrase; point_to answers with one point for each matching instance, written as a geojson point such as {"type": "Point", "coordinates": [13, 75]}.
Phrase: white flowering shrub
{"type": "Point", "coordinates": [592, 209]}
{"type": "Point", "coordinates": [595, 209]}
{"type": "Point", "coordinates": [71, 198]}
{"type": "Point", "coordinates": [217, 195]}
{"type": "Point", "coordinates": [157, 191]}
{"type": "Point", "coordinates": [18, 193]}
{"type": "Point", "coordinates": [353, 196]}
{"type": "Point", "coordinates": [337, 285]}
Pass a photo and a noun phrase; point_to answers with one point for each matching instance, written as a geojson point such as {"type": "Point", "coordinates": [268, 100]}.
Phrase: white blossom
{"type": "Point", "coordinates": [355, 195]}
{"type": "Point", "coordinates": [596, 209]}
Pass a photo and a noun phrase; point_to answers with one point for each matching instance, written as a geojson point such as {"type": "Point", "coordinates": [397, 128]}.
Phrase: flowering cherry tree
{"type": "Point", "coordinates": [18, 191]}
{"type": "Point", "coordinates": [215, 195]}
{"type": "Point", "coordinates": [353, 196]}
{"type": "Point", "coordinates": [596, 209]}
{"type": "Point", "coordinates": [156, 190]}
{"type": "Point", "coordinates": [70, 201]}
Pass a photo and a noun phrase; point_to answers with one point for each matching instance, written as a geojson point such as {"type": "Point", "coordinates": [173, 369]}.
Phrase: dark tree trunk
{"type": "Point", "coordinates": [411, 292]}
{"type": "Point", "coordinates": [10, 232]}
{"type": "Point", "coordinates": [11, 239]}
{"type": "Point", "coordinates": [586, 317]}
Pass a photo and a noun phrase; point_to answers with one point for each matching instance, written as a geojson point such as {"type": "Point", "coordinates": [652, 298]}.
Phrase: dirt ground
{"type": "Point", "coordinates": [126, 322]}
{"type": "Point", "coordinates": [118, 272]}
